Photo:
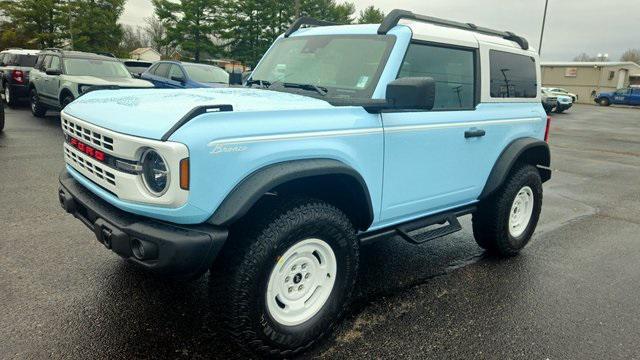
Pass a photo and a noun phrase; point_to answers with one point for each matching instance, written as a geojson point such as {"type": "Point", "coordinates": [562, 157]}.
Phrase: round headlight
{"type": "Point", "coordinates": [155, 172]}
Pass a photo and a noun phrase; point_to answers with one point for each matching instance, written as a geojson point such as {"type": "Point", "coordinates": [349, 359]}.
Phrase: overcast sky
{"type": "Point", "coordinates": [573, 26]}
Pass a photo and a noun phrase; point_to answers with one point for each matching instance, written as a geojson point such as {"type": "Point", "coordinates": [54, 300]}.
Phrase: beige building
{"type": "Point", "coordinates": [146, 54]}
{"type": "Point", "coordinates": [587, 78]}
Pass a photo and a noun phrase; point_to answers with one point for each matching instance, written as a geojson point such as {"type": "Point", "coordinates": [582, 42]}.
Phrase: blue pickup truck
{"type": "Point", "coordinates": [628, 96]}
{"type": "Point", "coordinates": [341, 136]}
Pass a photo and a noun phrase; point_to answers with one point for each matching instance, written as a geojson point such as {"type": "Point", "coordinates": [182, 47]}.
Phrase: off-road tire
{"type": "Point", "coordinates": [559, 111]}
{"type": "Point", "coordinates": [491, 220]}
{"type": "Point", "coordinates": [11, 100]}
{"type": "Point", "coordinates": [1, 118]}
{"type": "Point", "coordinates": [37, 108]}
{"type": "Point", "coordinates": [242, 271]}
{"type": "Point", "coordinates": [604, 102]}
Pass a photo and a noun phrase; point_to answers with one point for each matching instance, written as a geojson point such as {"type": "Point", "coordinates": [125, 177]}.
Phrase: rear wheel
{"type": "Point", "coordinates": [8, 95]}
{"type": "Point", "coordinates": [604, 102]}
{"type": "Point", "coordinates": [288, 277]}
{"type": "Point", "coordinates": [505, 221]}
{"type": "Point", "coordinates": [37, 108]}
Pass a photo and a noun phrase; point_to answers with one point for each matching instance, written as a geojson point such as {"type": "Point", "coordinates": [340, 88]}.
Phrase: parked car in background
{"type": "Point", "coordinates": [549, 100]}
{"type": "Point", "coordinates": [563, 101]}
{"type": "Point", "coordinates": [561, 91]}
{"type": "Point", "coordinates": [137, 67]}
{"type": "Point", "coordinates": [59, 77]}
{"type": "Point", "coordinates": [15, 66]}
{"type": "Point", "coordinates": [628, 96]}
{"type": "Point", "coordinates": [184, 75]}
{"type": "Point", "coordinates": [342, 136]}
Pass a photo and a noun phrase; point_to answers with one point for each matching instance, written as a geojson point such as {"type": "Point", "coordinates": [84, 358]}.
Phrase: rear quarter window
{"type": "Point", "coordinates": [512, 75]}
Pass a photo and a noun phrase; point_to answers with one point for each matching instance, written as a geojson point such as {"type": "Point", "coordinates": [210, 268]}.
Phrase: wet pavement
{"type": "Point", "coordinates": [572, 294]}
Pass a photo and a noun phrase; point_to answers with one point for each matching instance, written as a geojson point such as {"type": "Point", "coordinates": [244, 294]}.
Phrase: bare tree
{"type": "Point", "coordinates": [584, 57]}
{"type": "Point", "coordinates": [631, 55]}
{"type": "Point", "coordinates": [156, 34]}
{"type": "Point", "coordinates": [133, 38]}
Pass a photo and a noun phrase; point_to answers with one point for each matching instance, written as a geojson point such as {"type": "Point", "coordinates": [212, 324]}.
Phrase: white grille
{"type": "Point", "coordinates": [87, 135]}
{"type": "Point", "coordinates": [90, 166]}
{"type": "Point", "coordinates": [125, 186]}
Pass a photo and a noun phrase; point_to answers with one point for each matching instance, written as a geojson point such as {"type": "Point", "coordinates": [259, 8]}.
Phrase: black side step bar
{"type": "Point", "coordinates": [423, 229]}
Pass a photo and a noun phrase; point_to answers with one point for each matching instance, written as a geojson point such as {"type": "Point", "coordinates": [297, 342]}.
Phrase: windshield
{"type": "Point", "coordinates": [347, 66]}
{"type": "Point", "coordinates": [207, 74]}
{"type": "Point", "coordinates": [95, 67]}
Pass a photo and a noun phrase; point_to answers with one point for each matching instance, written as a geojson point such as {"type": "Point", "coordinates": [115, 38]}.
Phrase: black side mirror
{"type": "Point", "coordinates": [179, 79]}
{"type": "Point", "coordinates": [411, 93]}
{"type": "Point", "coordinates": [53, 72]}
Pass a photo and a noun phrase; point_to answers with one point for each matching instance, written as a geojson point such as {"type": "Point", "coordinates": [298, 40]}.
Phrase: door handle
{"type": "Point", "coordinates": [474, 133]}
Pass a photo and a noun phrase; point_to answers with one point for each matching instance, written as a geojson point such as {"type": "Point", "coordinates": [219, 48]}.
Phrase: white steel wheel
{"type": "Point", "coordinates": [301, 282]}
{"type": "Point", "coordinates": [7, 95]}
{"type": "Point", "coordinates": [521, 211]}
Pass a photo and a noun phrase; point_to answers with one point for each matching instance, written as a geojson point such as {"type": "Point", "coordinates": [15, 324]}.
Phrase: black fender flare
{"type": "Point", "coordinates": [247, 193]}
{"type": "Point", "coordinates": [530, 150]}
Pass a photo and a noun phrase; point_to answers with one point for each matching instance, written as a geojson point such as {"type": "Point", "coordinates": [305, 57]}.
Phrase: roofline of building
{"type": "Point", "coordinates": [589, 63]}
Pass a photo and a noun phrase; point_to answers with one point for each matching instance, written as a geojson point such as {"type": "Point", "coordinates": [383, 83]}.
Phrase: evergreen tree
{"type": "Point", "coordinates": [371, 15]}
{"type": "Point", "coordinates": [192, 25]}
{"type": "Point", "coordinates": [93, 24]}
{"type": "Point", "coordinates": [33, 23]}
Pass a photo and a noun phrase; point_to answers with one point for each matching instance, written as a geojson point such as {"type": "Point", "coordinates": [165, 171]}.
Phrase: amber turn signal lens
{"type": "Point", "coordinates": [184, 174]}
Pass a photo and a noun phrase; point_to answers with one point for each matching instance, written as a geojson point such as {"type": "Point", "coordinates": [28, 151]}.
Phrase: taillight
{"type": "Point", "coordinates": [546, 130]}
{"type": "Point", "coordinates": [17, 76]}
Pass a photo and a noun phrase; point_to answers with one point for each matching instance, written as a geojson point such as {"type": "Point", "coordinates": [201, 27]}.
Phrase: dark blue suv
{"type": "Point", "coordinates": [627, 96]}
{"type": "Point", "coordinates": [183, 75]}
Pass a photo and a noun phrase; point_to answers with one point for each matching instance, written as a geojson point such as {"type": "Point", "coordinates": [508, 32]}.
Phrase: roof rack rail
{"type": "Point", "coordinates": [52, 49]}
{"type": "Point", "coordinates": [308, 21]}
{"type": "Point", "coordinates": [396, 15]}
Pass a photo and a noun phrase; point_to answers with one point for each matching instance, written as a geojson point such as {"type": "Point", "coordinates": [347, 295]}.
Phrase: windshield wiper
{"type": "Point", "coordinates": [311, 87]}
{"type": "Point", "coordinates": [263, 83]}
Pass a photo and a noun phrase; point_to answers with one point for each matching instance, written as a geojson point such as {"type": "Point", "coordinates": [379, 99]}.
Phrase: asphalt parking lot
{"type": "Point", "coordinates": [572, 294]}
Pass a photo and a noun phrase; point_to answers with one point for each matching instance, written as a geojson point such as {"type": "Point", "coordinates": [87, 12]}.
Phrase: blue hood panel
{"type": "Point", "coordinates": [150, 113]}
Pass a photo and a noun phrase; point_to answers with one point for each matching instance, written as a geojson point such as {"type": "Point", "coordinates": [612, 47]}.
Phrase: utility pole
{"type": "Point", "coordinates": [544, 19]}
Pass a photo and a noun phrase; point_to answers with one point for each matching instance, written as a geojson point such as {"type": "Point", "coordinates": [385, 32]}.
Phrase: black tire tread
{"type": "Point", "coordinates": [254, 237]}
{"type": "Point", "coordinates": [490, 221]}
{"type": "Point", "coordinates": [40, 110]}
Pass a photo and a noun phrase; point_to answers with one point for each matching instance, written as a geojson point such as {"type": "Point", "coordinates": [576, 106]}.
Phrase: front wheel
{"type": "Point", "coordinates": [506, 220]}
{"type": "Point", "coordinates": [289, 277]}
{"type": "Point", "coordinates": [37, 108]}
{"type": "Point", "coordinates": [1, 118]}
{"type": "Point", "coordinates": [604, 102]}
{"type": "Point", "coordinates": [68, 99]}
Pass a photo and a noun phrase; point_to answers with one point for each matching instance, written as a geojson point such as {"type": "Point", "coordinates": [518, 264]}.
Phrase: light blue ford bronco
{"type": "Point", "coordinates": [343, 135]}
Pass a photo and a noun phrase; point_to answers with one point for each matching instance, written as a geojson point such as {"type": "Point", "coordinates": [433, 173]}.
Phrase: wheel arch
{"type": "Point", "coordinates": [328, 179]}
{"type": "Point", "coordinates": [63, 93]}
{"type": "Point", "coordinates": [524, 150]}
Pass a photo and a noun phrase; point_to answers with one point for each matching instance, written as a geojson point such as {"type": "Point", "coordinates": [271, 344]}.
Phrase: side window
{"type": "Point", "coordinates": [162, 70]}
{"type": "Point", "coordinates": [55, 63]}
{"type": "Point", "coordinates": [46, 62]}
{"type": "Point", "coordinates": [2, 59]}
{"type": "Point", "coordinates": [152, 69]}
{"type": "Point", "coordinates": [39, 62]}
{"type": "Point", "coordinates": [452, 69]}
{"type": "Point", "coordinates": [512, 75]}
{"type": "Point", "coordinates": [176, 72]}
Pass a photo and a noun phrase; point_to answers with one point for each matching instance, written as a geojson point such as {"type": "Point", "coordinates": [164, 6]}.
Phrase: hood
{"type": "Point", "coordinates": [151, 113]}
{"type": "Point", "coordinates": [122, 82]}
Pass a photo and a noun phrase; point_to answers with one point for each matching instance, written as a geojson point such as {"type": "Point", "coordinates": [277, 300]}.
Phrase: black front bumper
{"type": "Point", "coordinates": [165, 248]}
